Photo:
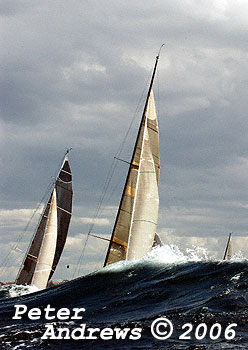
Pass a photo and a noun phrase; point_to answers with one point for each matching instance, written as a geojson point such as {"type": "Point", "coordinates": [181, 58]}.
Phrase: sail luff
{"type": "Point", "coordinates": [136, 190]}
{"type": "Point", "coordinates": [48, 247]}
{"type": "Point", "coordinates": [64, 193]}
{"type": "Point", "coordinates": [228, 251]}
{"type": "Point", "coordinates": [120, 243]}
{"type": "Point", "coordinates": [27, 268]}
{"type": "Point", "coordinates": [64, 196]}
{"type": "Point", "coordinates": [145, 209]}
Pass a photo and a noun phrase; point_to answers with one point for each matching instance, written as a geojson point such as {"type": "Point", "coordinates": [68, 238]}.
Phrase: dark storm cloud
{"type": "Point", "coordinates": [72, 75]}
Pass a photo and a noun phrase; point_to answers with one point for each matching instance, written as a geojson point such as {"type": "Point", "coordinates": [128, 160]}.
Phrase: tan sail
{"type": "Point", "coordinates": [48, 247]}
{"type": "Point", "coordinates": [229, 250]}
{"type": "Point", "coordinates": [138, 211]}
{"type": "Point", "coordinates": [145, 210]}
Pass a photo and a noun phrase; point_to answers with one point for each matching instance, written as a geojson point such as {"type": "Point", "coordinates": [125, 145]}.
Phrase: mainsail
{"type": "Point", "coordinates": [64, 193]}
{"type": "Point", "coordinates": [47, 249]}
{"type": "Point", "coordinates": [229, 250]}
{"type": "Point", "coordinates": [135, 226]}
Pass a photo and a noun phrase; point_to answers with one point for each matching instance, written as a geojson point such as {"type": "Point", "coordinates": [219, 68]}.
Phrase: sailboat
{"type": "Point", "coordinates": [49, 238]}
{"type": "Point", "coordinates": [134, 231]}
{"type": "Point", "coordinates": [229, 250]}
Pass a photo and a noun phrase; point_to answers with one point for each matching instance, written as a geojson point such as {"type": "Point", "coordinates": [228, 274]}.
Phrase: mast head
{"type": "Point", "coordinates": [66, 156]}
{"type": "Point", "coordinates": [160, 51]}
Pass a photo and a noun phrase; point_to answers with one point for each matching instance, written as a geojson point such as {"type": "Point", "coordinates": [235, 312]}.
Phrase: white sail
{"type": "Point", "coordinates": [48, 247]}
{"type": "Point", "coordinates": [146, 202]}
{"type": "Point", "coordinates": [229, 250]}
{"type": "Point", "coordinates": [64, 194]}
{"type": "Point", "coordinates": [135, 225]}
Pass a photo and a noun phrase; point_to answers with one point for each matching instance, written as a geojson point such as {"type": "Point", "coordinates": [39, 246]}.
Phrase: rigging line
{"type": "Point", "coordinates": [106, 184]}
{"type": "Point", "coordinates": [113, 164]}
{"type": "Point", "coordinates": [21, 235]}
{"type": "Point", "coordinates": [103, 238]}
{"type": "Point", "coordinates": [134, 116]}
{"type": "Point", "coordinates": [122, 160]}
{"type": "Point", "coordinates": [99, 263]}
{"type": "Point", "coordinates": [107, 181]}
{"type": "Point", "coordinates": [39, 221]}
{"type": "Point", "coordinates": [78, 266]}
{"type": "Point", "coordinates": [112, 168]}
{"type": "Point", "coordinates": [119, 183]}
{"type": "Point", "coordinates": [104, 190]}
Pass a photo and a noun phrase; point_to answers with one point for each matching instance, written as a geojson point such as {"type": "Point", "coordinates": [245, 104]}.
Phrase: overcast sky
{"type": "Point", "coordinates": [73, 74]}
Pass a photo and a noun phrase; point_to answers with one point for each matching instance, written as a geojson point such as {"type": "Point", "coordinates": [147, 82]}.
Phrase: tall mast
{"type": "Point", "coordinates": [133, 155]}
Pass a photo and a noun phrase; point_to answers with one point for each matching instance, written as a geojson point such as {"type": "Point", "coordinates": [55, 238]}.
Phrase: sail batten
{"type": "Point", "coordinates": [145, 209]}
{"type": "Point", "coordinates": [138, 207]}
{"type": "Point", "coordinates": [64, 193]}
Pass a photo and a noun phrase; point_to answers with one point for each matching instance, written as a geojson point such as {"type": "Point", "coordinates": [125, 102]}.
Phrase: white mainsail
{"type": "Point", "coordinates": [229, 250]}
{"type": "Point", "coordinates": [135, 226]}
{"type": "Point", "coordinates": [146, 202]}
{"type": "Point", "coordinates": [48, 247]}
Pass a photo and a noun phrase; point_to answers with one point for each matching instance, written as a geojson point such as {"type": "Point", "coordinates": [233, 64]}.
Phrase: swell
{"type": "Point", "coordinates": [129, 295]}
{"type": "Point", "coordinates": [149, 288]}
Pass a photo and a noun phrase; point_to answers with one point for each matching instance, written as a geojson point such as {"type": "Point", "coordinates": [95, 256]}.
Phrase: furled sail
{"type": "Point", "coordinates": [64, 193]}
{"type": "Point", "coordinates": [135, 226]}
{"type": "Point", "coordinates": [47, 250]}
{"type": "Point", "coordinates": [229, 250]}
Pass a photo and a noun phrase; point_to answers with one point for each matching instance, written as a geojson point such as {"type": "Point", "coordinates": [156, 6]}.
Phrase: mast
{"type": "Point", "coordinates": [64, 193]}
{"type": "Point", "coordinates": [132, 165]}
{"type": "Point", "coordinates": [228, 251]}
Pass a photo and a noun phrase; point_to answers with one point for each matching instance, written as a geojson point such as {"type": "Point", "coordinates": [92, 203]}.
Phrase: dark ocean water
{"type": "Point", "coordinates": [132, 296]}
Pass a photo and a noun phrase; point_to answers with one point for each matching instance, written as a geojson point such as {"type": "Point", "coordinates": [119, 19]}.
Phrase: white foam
{"type": "Point", "coordinates": [15, 290]}
{"type": "Point", "coordinates": [166, 254]}
{"type": "Point", "coordinates": [171, 254]}
{"type": "Point", "coordinates": [238, 257]}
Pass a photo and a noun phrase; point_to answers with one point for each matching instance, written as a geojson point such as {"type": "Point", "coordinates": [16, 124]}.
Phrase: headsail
{"type": "Point", "coordinates": [63, 187]}
{"type": "Point", "coordinates": [135, 226]}
{"type": "Point", "coordinates": [229, 250]}
{"type": "Point", "coordinates": [47, 250]}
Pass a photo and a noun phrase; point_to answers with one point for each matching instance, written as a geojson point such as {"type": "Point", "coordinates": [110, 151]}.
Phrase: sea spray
{"type": "Point", "coordinates": [211, 296]}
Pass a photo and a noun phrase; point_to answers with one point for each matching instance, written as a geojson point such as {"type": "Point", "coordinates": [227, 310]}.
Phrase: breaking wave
{"type": "Point", "coordinates": [185, 287]}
